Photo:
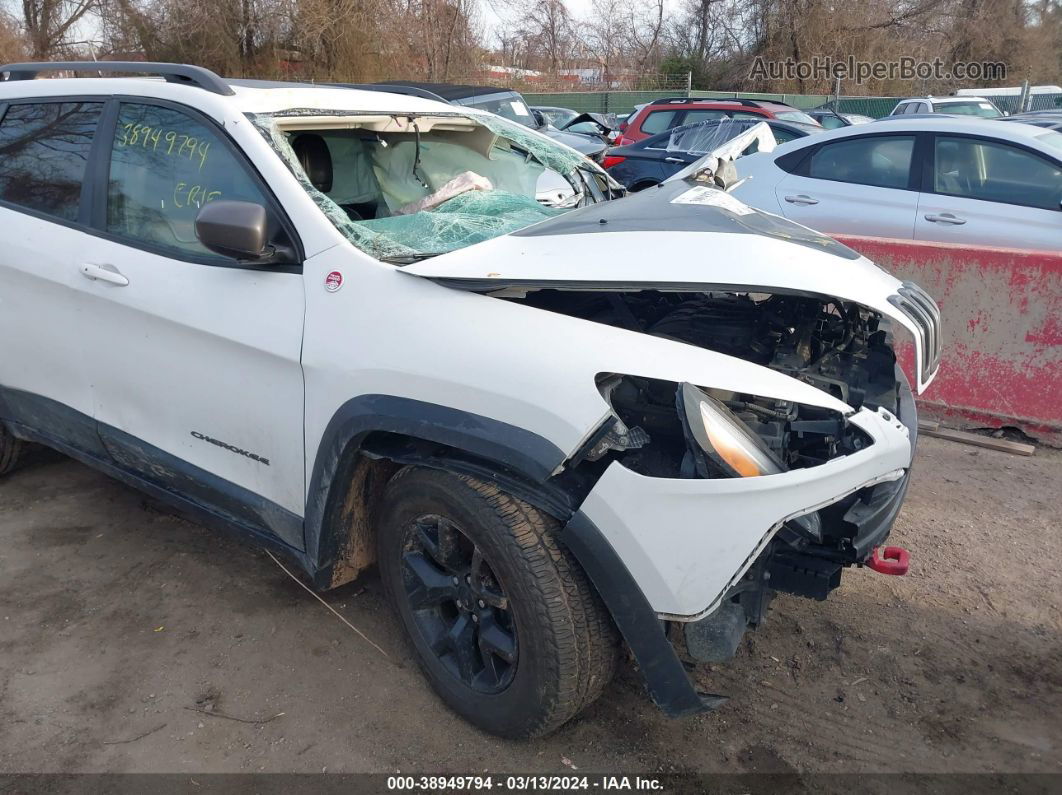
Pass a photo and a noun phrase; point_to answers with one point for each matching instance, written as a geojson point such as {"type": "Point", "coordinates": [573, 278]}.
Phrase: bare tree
{"type": "Point", "coordinates": [48, 24]}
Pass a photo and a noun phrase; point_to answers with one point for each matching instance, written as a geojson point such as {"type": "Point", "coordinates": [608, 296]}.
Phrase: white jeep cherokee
{"type": "Point", "coordinates": [340, 321]}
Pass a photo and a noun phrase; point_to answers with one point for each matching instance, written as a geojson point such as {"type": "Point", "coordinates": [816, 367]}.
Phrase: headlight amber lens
{"type": "Point", "coordinates": [732, 443]}
{"type": "Point", "coordinates": [724, 437]}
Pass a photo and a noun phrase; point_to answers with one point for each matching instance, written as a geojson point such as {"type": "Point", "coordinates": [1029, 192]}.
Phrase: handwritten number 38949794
{"type": "Point", "coordinates": [169, 142]}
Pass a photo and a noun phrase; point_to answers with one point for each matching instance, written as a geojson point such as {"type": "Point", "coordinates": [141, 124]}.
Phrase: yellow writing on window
{"type": "Point", "coordinates": [168, 142]}
{"type": "Point", "coordinates": [185, 195]}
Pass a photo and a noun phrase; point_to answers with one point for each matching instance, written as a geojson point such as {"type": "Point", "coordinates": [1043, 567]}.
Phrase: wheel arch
{"type": "Point", "coordinates": [371, 437]}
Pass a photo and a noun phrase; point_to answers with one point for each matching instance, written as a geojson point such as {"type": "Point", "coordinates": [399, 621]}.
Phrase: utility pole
{"type": "Point", "coordinates": [1023, 104]}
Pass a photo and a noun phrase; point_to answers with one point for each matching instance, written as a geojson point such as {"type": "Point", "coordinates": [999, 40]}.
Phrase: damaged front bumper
{"type": "Point", "coordinates": [688, 541]}
{"type": "Point", "coordinates": [700, 551]}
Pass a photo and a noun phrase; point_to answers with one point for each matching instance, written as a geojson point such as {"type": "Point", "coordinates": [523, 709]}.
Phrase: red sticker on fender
{"type": "Point", "coordinates": [333, 281]}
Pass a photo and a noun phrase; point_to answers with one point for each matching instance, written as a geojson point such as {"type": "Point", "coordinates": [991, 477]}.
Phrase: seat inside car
{"type": "Point", "coordinates": [340, 167]}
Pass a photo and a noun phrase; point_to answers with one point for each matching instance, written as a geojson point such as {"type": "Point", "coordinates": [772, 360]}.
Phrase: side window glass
{"type": "Point", "coordinates": [657, 121]}
{"type": "Point", "coordinates": [693, 116]}
{"type": "Point", "coordinates": [164, 167]}
{"type": "Point", "coordinates": [881, 161]}
{"type": "Point", "coordinates": [995, 172]}
{"type": "Point", "coordinates": [44, 149]}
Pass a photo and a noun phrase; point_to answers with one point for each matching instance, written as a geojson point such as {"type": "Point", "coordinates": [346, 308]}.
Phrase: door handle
{"type": "Point", "coordinates": [104, 273]}
{"type": "Point", "coordinates": [946, 218]}
{"type": "Point", "coordinates": [801, 198]}
{"type": "Point", "coordinates": [674, 160]}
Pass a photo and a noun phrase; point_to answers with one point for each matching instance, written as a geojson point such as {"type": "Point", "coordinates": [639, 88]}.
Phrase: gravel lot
{"type": "Point", "coordinates": [118, 620]}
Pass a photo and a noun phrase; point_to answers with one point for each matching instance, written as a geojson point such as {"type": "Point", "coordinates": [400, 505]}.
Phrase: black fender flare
{"type": "Point", "coordinates": [516, 449]}
{"type": "Point", "coordinates": [532, 459]}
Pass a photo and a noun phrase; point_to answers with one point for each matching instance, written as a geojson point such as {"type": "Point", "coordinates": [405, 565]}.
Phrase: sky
{"type": "Point", "coordinates": [579, 9]}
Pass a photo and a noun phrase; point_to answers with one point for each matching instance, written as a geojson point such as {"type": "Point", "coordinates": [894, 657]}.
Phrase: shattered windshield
{"type": "Point", "coordinates": [402, 187]}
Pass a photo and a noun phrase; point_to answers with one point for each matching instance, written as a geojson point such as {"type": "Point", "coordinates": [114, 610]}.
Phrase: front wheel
{"type": "Point", "coordinates": [10, 448]}
{"type": "Point", "coordinates": [504, 623]}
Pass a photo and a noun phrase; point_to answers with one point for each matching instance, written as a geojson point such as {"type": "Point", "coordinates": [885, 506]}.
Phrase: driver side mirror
{"type": "Point", "coordinates": [234, 229]}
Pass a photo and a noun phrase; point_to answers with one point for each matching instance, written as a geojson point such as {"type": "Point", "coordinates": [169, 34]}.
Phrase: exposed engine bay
{"type": "Point", "coordinates": [839, 347]}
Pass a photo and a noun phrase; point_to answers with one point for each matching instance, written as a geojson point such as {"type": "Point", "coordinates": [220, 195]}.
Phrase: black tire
{"type": "Point", "coordinates": [564, 647]}
{"type": "Point", "coordinates": [10, 448]}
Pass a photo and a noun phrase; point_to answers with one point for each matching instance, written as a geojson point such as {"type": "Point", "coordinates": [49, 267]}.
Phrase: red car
{"type": "Point", "coordinates": [665, 114]}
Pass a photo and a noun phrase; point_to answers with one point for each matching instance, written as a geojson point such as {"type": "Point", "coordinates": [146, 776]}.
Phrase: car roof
{"type": "Point", "coordinates": [450, 91]}
{"type": "Point", "coordinates": [936, 100]}
{"type": "Point", "coordinates": [248, 96]}
{"type": "Point", "coordinates": [896, 116]}
{"type": "Point", "coordinates": [1039, 115]}
{"type": "Point", "coordinates": [725, 102]}
{"type": "Point", "coordinates": [964, 98]}
{"type": "Point", "coordinates": [795, 126]}
{"type": "Point", "coordinates": [936, 122]}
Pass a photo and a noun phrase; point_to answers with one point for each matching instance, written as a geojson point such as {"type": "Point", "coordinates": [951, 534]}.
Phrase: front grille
{"type": "Point", "coordinates": [917, 304]}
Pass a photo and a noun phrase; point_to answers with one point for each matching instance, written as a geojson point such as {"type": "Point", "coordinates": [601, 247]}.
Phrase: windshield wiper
{"type": "Point", "coordinates": [409, 259]}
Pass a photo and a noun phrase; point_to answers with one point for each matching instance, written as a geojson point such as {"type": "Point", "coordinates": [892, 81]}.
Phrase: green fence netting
{"type": "Point", "coordinates": [875, 107]}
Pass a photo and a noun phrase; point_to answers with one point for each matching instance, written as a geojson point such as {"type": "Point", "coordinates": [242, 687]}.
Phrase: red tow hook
{"type": "Point", "coordinates": [893, 560]}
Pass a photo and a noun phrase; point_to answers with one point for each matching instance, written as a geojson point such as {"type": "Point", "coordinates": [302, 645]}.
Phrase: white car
{"type": "Point", "coordinates": [963, 106]}
{"type": "Point", "coordinates": [945, 180]}
{"type": "Point", "coordinates": [340, 322]}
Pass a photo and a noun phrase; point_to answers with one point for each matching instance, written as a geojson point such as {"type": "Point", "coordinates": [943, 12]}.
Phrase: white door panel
{"type": "Point", "coordinates": [40, 315]}
{"type": "Point", "coordinates": [949, 219]}
{"type": "Point", "coordinates": [196, 364]}
{"type": "Point", "coordinates": [186, 351]}
{"type": "Point", "coordinates": [847, 208]}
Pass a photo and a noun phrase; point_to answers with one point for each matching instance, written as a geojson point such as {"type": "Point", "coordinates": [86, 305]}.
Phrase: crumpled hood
{"type": "Point", "coordinates": [678, 236]}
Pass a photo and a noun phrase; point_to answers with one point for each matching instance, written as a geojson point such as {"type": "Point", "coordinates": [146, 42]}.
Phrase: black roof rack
{"type": "Point", "coordinates": [677, 100]}
{"type": "Point", "coordinates": [394, 88]}
{"type": "Point", "coordinates": [748, 103]}
{"type": "Point", "coordinates": [172, 72]}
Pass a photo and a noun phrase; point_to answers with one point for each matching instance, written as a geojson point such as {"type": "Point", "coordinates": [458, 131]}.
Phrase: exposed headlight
{"type": "Point", "coordinates": [723, 437]}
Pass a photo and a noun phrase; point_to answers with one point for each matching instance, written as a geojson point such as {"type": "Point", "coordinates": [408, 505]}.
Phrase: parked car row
{"type": "Point", "coordinates": [651, 160]}
{"type": "Point", "coordinates": [949, 180]}
{"type": "Point", "coordinates": [939, 169]}
{"type": "Point", "coordinates": [924, 174]}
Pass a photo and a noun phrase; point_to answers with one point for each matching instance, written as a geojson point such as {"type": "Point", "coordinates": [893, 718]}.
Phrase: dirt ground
{"type": "Point", "coordinates": [117, 619]}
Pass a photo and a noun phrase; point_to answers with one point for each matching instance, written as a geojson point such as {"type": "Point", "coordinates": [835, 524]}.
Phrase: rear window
{"type": "Point", "coordinates": [44, 149]}
{"type": "Point", "coordinates": [796, 115]}
{"type": "Point", "coordinates": [985, 110]}
{"type": "Point", "coordinates": [658, 121]}
{"type": "Point", "coordinates": [508, 106]}
{"type": "Point", "coordinates": [694, 116]}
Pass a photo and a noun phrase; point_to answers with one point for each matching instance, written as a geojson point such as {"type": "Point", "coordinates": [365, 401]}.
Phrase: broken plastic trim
{"type": "Point", "coordinates": [895, 474]}
{"type": "Point", "coordinates": [717, 167]}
